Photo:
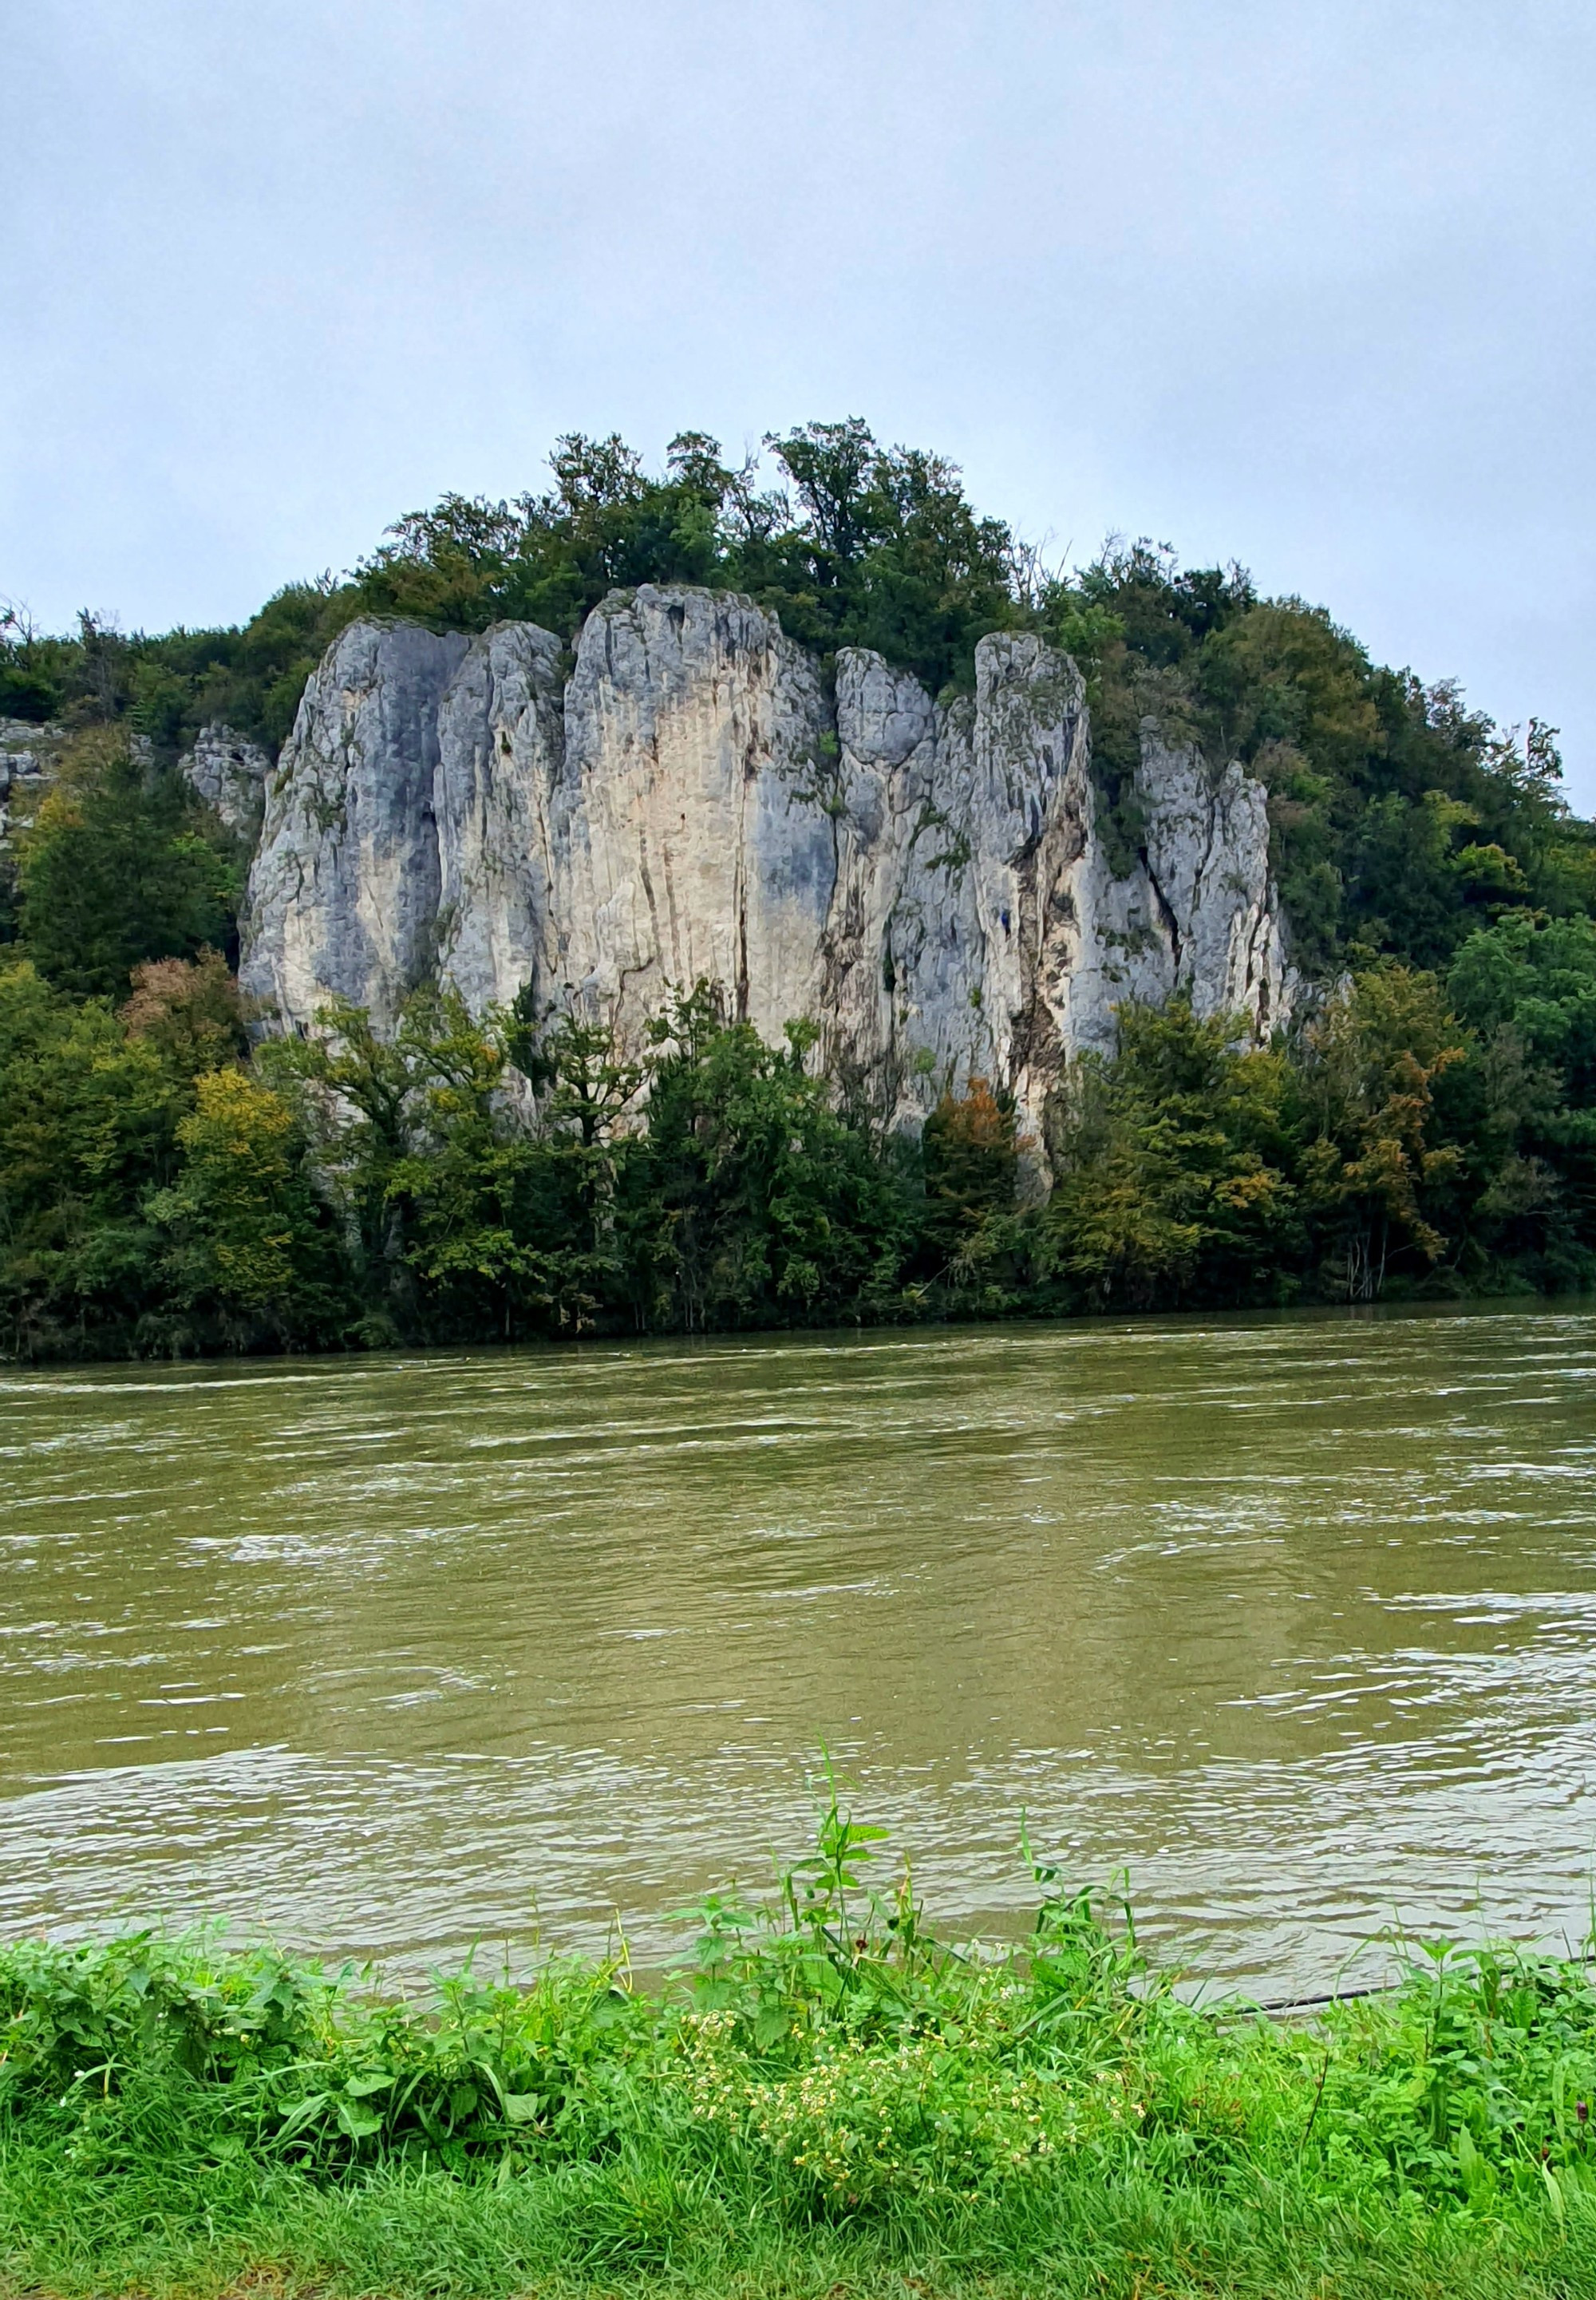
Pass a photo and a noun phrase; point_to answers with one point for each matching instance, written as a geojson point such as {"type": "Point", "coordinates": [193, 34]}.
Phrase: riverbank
{"type": "Point", "coordinates": [826, 2099]}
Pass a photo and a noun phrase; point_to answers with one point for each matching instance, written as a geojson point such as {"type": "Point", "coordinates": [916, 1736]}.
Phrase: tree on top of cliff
{"type": "Point", "coordinates": [1401, 821]}
{"type": "Point", "coordinates": [865, 546]}
{"type": "Point", "coordinates": [886, 552]}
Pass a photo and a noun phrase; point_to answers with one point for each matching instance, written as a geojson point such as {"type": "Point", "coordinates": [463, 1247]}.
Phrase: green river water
{"type": "Point", "coordinates": [1292, 1618]}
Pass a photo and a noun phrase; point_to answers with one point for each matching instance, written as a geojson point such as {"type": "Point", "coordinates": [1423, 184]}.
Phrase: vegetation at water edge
{"type": "Point", "coordinates": [826, 2098]}
{"type": "Point", "coordinates": [1429, 1128]}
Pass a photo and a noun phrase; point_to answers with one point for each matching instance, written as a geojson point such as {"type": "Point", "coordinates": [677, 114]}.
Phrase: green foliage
{"type": "Point", "coordinates": [165, 687]}
{"type": "Point", "coordinates": [971, 1229]}
{"type": "Point", "coordinates": [1536, 978]}
{"type": "Point", "coordinates": [153, 1196]}
{"type": "Point", "coordinates": [1528, 987]}
{"type": "Point", "coordinates": [885, 553]}
{"type": "Point", "coordinates": [29, 688]}
{"type": "Point", "coordinates": [253, 679]}
{"type": "Point", "coordinates": [603, 525]}
{"type": "Point", "coordinates": [1430, 1128]}
{"type": "Point", "coordinates": [1378, 1166]}
{"type": "Point", "coordinates": [1389, 1149]}
{"type": "Point", "coordinates": [465, 1194]}
{"type": "Point", "coordinates": [753, 1200]}
{"type": "Point", "coordinates": [875, 546]}
{"type": "Point", "coordinates": [866, 546]}
{"type": "Point", "coordinates": [472, 1212]}
{"type": "Point", "coordinates": [1400, 822]}
{"type": "Point", "coordinates": [87, 1122]}
{"type": "Point", "coordinates": [514, 1176]}
{"type": "Point", "coordinates": [826, 2092]}
{"type": "Point", "coordinates": [247, 1254]}
{"type": "Point", "coordinates": [1175, 1162]}
{"type": "Point", "coordinates": [120, 863]}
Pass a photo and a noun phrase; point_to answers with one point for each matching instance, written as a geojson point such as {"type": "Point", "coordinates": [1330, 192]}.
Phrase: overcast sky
{"type": "Point", "coordinates": [1311, 286]}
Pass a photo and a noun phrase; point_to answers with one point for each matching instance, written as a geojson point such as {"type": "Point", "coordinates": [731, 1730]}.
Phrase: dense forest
{"type": "Point", "coordinates": [173, 1179]}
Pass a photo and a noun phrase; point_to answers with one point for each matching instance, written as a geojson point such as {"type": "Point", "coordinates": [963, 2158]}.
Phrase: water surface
{"type": "Point", "coordinates": [1292, 1618]}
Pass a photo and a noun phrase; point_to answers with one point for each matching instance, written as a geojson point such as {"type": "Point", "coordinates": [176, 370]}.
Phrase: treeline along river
{"type": "Point", "coordinates": [1294, 1618]}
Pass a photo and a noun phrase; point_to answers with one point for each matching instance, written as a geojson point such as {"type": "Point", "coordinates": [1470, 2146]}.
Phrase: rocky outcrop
{"type": "Point", "coordinates": [500, 758]}
{"type": "Point", "coordinates": [925, 881]}
{"type": "Point", "coordinates": [28, 757]}
{"type": "Point", "coordinates": [228, 772]}
{"type": "Point", "coordinates": [343, 899]}
{"type": "Point", "coordinates": [225, 770]}
{"type": "Point", "coordinates": [692, 836]}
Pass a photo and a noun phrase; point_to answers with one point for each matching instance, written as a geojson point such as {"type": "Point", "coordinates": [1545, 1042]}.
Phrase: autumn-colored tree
{"type": "Point", "coordinates": [970, 1158]}
{"type": "Point", "coordinates": [190, 1011]}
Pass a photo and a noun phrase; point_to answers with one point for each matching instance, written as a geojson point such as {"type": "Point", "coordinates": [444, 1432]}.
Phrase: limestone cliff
{"type": "Point", "coordinates": [343, 891]}
{"type": "Point", "coordinates": [925, 881]}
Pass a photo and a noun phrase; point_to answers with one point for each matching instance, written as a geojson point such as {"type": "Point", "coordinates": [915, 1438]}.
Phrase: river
{"type": "Point", "coordinates": [1292, 1619]}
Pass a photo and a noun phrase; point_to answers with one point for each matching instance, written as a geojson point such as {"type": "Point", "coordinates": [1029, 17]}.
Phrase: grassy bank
{"type": "Point", "coordinates": [827, 2100]}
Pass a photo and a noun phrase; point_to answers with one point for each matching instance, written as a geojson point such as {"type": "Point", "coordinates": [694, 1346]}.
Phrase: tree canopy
{"type": "Point", "coordinates": [1401, 820]}
{"type": "Point", "coordinates": [1428, 1127]}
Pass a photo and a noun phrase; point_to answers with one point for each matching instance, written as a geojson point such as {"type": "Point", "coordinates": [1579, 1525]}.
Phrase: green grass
{"type": "Point", "coordinates": [827, 2101]}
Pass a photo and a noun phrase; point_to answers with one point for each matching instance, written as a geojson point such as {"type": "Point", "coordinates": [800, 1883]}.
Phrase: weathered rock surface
{"type": "Point", "coordinates": [691, 834]}
{"type": "Point", "coordinates": [501, 753]}
{"type": "Point", "coordinates": [28, 756]}
{"type": "Point", "coordinates": [925, 882]}
{"type": "Point", "coordinates": [228, 772]}
{"type": "Point", "coordinates": [343, 896]}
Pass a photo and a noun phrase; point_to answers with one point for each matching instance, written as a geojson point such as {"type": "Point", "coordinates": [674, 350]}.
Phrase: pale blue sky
{"type": "Point", "coordinates": [1310, 284]}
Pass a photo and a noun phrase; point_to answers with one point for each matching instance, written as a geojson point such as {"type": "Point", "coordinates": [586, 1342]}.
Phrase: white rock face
{"type": "Point", "coordinates": [1199, 914]}
{"type": "Point", "coordinates": [501, 748]}
{"type": "Point", "coordinates": [228, 772]}
{"type": "Point", "coordinates": [343, 896]}
{"type": "Point", "coordinates": [690, 836]}
{"type": "Point", "coordinates": [925, 882]}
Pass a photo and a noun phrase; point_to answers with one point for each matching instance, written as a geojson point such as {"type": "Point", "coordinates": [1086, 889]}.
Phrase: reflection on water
{"type": "Point", "coordinates": [1292, 1617]}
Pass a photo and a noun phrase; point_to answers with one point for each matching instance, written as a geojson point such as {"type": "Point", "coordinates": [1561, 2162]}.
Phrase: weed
{"type": "Point", "coordinates": [827, 2094]}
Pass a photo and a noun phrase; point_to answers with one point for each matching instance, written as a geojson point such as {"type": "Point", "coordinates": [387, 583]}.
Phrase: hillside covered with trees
{"type": "Point", "coordinates": [1428, 1126]}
